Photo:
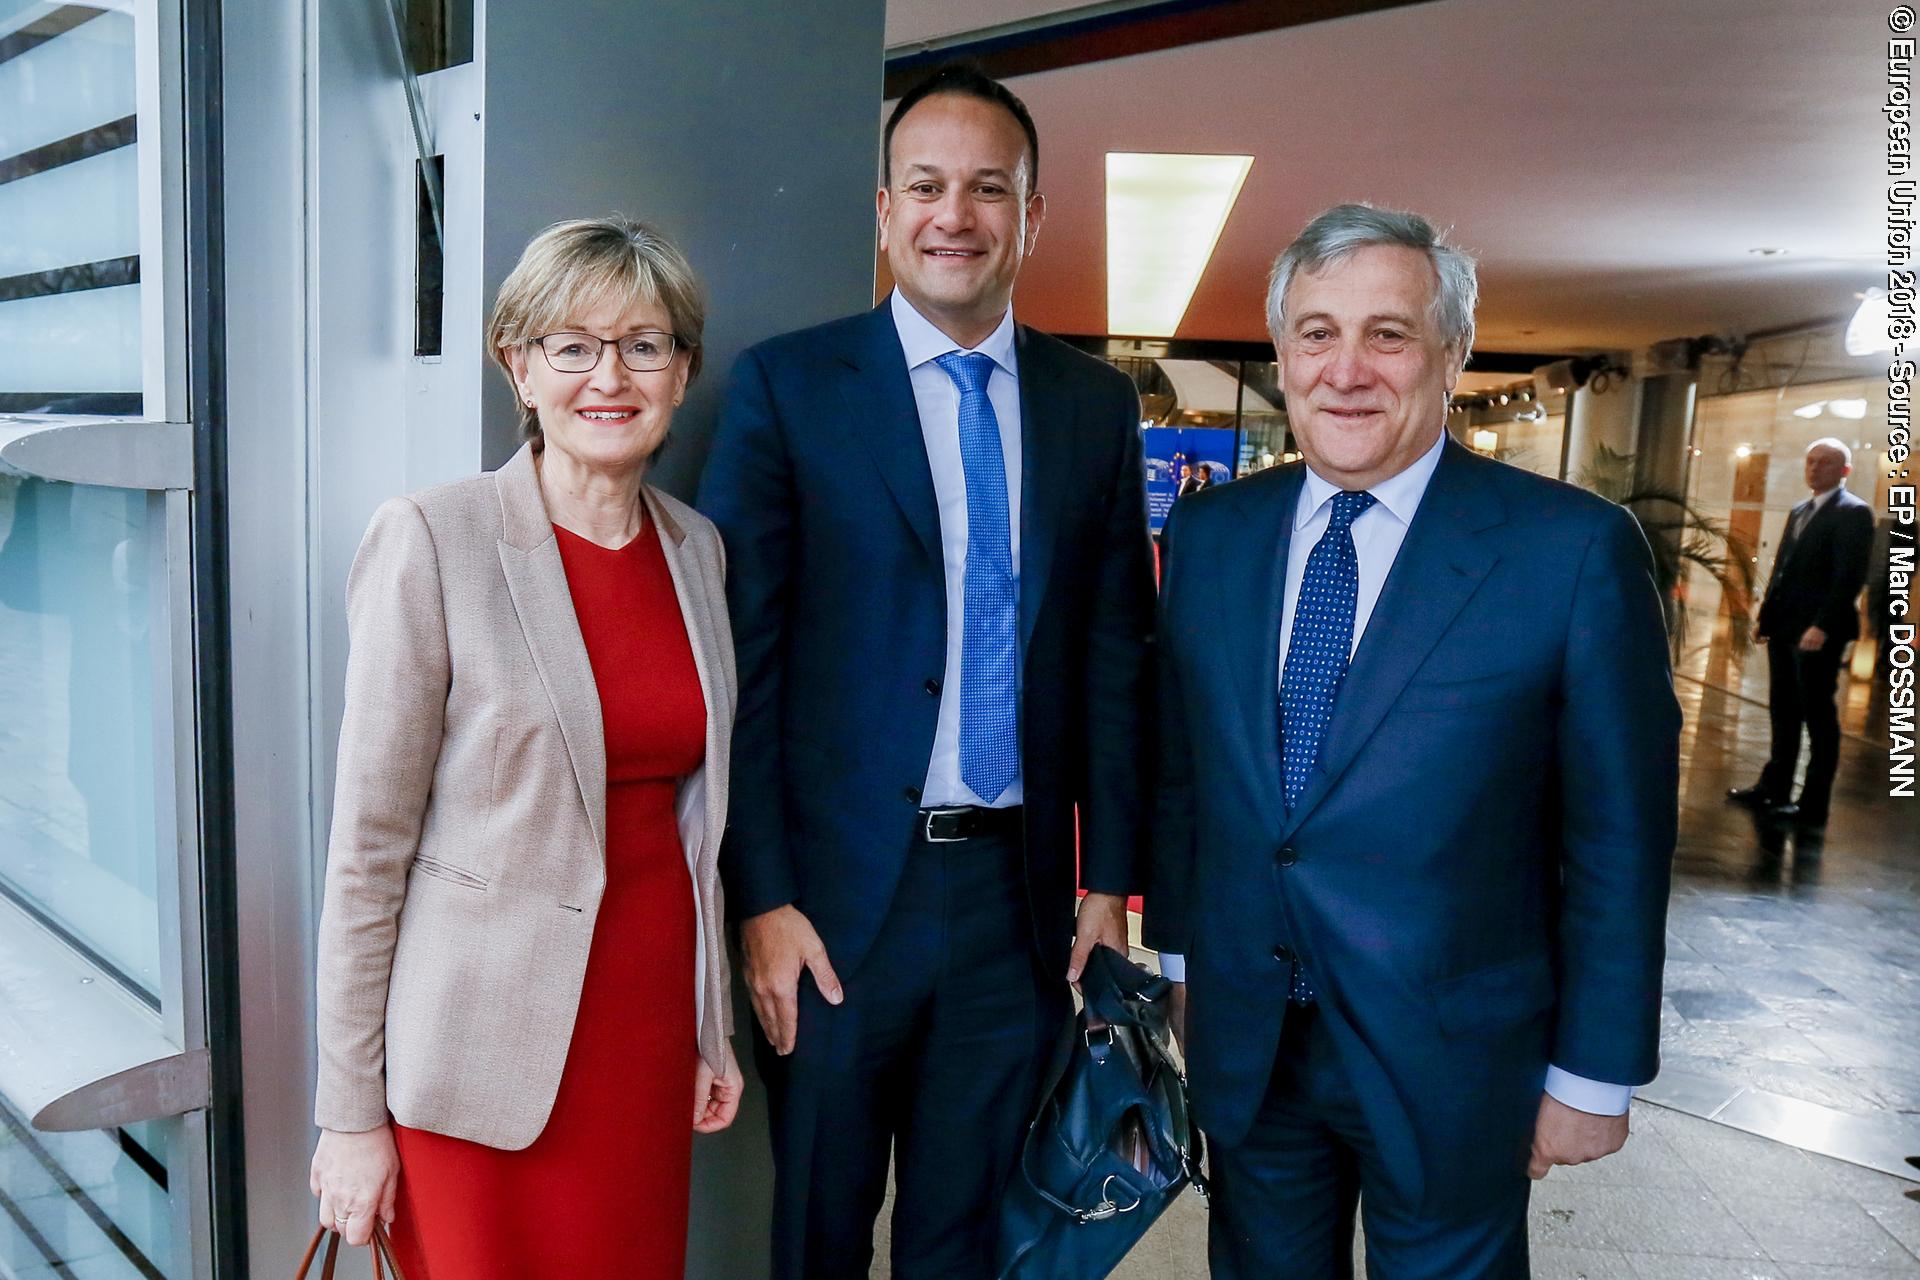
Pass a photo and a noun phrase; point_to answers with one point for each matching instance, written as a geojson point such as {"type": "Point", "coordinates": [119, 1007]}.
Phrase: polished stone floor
{"type": "Point", "coordinates": [1773, 1146]}
{"type": "Point", "coordinates": [1793, 960]}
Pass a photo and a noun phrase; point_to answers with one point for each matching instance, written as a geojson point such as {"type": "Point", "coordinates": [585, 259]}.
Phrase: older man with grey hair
{"type": "Point", "coordinates": [1417, 797]}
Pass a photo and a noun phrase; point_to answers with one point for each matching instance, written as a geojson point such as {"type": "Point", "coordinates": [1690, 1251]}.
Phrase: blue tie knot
{"type": "Point", "coordinates": [1347, 506]}
{"type": "Point", "coordinates": [968, 369]}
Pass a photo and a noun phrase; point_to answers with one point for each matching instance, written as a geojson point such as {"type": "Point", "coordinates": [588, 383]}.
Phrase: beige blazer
{"type": "Point", "coordinates": [468, 853]}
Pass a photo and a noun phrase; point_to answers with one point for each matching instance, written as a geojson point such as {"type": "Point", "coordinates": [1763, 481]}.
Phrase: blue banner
{"type": "Point", "coordinates": [1200, 451]}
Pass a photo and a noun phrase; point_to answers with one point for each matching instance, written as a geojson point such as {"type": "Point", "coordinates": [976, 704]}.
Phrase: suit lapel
{"type": "Point", "coordinates": [537, 582]}
{"type": "Point", "coordinates": [1046, 461]}
{"type": "Point", "coordinates": [1269, 539]}
{"type": "Point", "coordinates": [1798, 522]}
{"type": "Point", "coordinates": [697, 593]}
{"type": "Point", "coordinates": [1440, 565]}
{"type": "Point", "coordinates": [885, 419]}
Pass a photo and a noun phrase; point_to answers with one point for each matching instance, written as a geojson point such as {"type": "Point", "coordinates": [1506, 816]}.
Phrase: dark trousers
{"type": "Point", "coordinates": [1284, 1197]}
{"type": "Point", "coordinates": [1801, 688]}
{"type": "Point", "coordinates": [934, 1057]}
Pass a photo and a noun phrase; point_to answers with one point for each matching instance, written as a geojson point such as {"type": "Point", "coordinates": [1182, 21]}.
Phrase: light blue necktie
{"type": "Point", "coordinates": [1317, 660]}
{"type": "Point", "coordinates": [989, 647]}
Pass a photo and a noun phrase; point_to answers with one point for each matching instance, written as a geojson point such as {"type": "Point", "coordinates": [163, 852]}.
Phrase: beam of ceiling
{"type": "Point", "coordinates": [1050, 41]}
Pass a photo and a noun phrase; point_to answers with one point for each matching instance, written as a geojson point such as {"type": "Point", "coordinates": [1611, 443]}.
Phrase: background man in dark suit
{"type": "Point", "coordinates": [1807, 618]}
{"type": "Point", "coordinates": [942, 599]}
{"type": "Point", "coordinates": [1419, 900]}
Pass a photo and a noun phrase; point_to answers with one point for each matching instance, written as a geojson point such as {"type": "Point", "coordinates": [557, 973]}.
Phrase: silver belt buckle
{"type": "Point", "coordinates": [926, 827]}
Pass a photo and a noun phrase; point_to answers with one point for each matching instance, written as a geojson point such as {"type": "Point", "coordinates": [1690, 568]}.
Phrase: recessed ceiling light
{"type": "Point", "coordinates": [1767, 251]}
{"type": "Point", "coordinates": [1855, 409]}
{"type": "Point", "coordinates": [1743, 451]}
{"type": "Point", "coordinates": [1813, 410]}
{"type": "Point", "coordinates": [1867, 331]}
{"type": "Point", "coordinates": [1164, 216]}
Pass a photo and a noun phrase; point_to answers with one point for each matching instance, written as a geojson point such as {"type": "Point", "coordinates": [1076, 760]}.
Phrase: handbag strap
{"type": "Point", "coordinates": [382, 1252]}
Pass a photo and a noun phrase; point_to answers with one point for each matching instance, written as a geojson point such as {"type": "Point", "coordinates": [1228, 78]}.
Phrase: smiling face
{"type": "Point", "coordinates": [958, 220]}
{"type": "Point", "coordinates": [610, 419]}
{"type": "Point", "coordinates": [1365, 372]}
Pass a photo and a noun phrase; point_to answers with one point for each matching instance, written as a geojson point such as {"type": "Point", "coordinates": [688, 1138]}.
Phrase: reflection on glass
{"type": "Point", "coordinates": [70, 129]}
{"type": "Point", "coordinates": [1748, 474]}
{"type": "Point", "coordinates": [88, 1204]}
{"type": "Point", "coordinates": [78, 841]}
{"type": "Point", "coordinates": [1263, 418]}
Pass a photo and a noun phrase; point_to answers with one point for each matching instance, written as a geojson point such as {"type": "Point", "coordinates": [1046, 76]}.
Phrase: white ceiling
{"type": "Point", "coordinates": [912, 20]}
{"type": "Point", "coordinates": [1612, 164]}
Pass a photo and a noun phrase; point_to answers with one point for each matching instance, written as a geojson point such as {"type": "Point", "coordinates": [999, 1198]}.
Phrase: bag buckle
{"type": "Point", "coordinates": [1107, 1208]}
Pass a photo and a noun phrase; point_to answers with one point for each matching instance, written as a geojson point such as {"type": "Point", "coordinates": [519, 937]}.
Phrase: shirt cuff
{"type": "Point", "coordinates": [1595, 1097]}
{"type": "Point", "coordinates": [1173, 966]}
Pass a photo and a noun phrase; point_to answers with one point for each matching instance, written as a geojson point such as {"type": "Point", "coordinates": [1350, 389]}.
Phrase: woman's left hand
{"type": "Point", "coordinates": [716, 1098]}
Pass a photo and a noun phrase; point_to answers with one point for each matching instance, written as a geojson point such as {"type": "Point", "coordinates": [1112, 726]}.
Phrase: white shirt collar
{"type": "Point", "coordinates": [1820, 499]}
{"type": "Point", "coordinates": [922, 341]}
{"type": "Point", "coordinates": [1399, 494]}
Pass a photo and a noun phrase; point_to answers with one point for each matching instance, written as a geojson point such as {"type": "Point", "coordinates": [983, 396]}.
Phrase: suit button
{"type": "Point", "coordinates": [1286, 857]}
{"type": "Point", "coordinates": [1283, 954]}
{"type": "Point", "coordinates": [933, 688]}
{"type": "Point", "coordinates": [913, 794]}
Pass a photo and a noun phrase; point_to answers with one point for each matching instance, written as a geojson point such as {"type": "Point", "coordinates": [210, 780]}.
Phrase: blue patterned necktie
{"type": "Point", "coordinates": [1317, 657]}
{"type": "Point", "coordinates": [989, 649]}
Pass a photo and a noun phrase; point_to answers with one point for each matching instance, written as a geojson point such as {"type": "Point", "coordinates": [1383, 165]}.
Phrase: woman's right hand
{"type": "Point", "coordinates": [356, 1176]}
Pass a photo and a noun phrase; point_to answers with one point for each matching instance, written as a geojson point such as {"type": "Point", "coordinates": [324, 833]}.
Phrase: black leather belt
{"type": "Point", "coordinates": [965, 822]}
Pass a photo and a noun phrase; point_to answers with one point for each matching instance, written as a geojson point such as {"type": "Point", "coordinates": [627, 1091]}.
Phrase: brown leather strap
{"type": "Point", "coordinates": [382, 1253]}
{"type": "Point", "coordinates": [306, 1259]}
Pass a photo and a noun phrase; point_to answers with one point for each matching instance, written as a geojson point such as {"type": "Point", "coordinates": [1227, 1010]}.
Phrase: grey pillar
{"type": "Point", "coordinates": [1665, 445]}
{"type": "Point", "coordinates": [1595, 419]}
{"type": "Point", "coordinates": [748, 132]}
{"type": "Point", "coordinates": [1661, 465]}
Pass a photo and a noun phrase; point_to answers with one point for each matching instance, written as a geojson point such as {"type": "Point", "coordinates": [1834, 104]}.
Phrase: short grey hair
{"type": "Point", "coordinates": [1838, 446]}
{"type": "Point", "coordinates": [1346, 228]}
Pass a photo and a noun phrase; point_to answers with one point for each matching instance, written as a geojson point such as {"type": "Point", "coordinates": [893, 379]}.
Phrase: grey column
{"type": "Point", "coordinates": [1664, 453]}
{"type": "Point", "coordinates": [748, 132]}
{"type": "Point", "coordinates": [1661, 464]}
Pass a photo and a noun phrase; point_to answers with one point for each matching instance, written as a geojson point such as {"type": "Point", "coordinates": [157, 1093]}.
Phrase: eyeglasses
{"type": "Point", "coordinates": [645, 352]}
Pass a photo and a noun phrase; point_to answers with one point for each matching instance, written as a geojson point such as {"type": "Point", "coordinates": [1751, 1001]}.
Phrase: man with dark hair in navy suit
{"type": "Point", "coordinates": [1417, 802]}
{"type": "Point", "coordinates": [942, 600]}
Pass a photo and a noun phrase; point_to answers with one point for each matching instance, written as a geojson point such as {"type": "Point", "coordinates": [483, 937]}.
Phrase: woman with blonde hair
{"type": "Point", "coordinates": [523, 994]}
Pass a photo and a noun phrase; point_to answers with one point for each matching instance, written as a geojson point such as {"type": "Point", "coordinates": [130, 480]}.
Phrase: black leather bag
{"type": "Point", "coordinates": [1111, 1144]}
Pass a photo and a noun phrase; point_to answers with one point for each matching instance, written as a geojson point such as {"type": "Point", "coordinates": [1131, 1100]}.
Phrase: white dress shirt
{"type": "Point", "coordinates": [1377, 534]}
{"type": "Point", "coordinates": [1820, 500]}
{"type": "Point", "coordinates": [938, 401]}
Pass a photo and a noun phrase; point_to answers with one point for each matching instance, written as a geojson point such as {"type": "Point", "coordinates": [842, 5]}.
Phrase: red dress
{"type": "Point", "coordinates": [602, 1192]}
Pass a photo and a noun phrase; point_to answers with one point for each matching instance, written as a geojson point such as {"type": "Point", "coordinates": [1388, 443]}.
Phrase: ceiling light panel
{"type": "Point", "coordinates": [1164, 216]}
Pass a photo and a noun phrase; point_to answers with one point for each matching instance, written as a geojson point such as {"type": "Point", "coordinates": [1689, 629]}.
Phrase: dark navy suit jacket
{"type": "Point", "coordinates": [1818, 575]}
{"type": "Point", "coordinates": [1476, 877]}
{"type": "Point", "coordinates": [820, 485]}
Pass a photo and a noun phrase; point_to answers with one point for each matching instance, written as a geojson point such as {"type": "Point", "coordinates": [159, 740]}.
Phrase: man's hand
{"type": "Point", "coordinates": [1102, 918]}
{"type": "Point", "coordinates": [1562, 1135]}
{"type": "Point", "coordinates": [778, 944]}
{"type": "Point", "coordinates": [1812, 640]}
{"type": "Point", "coordinates": [1177, 1015]}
